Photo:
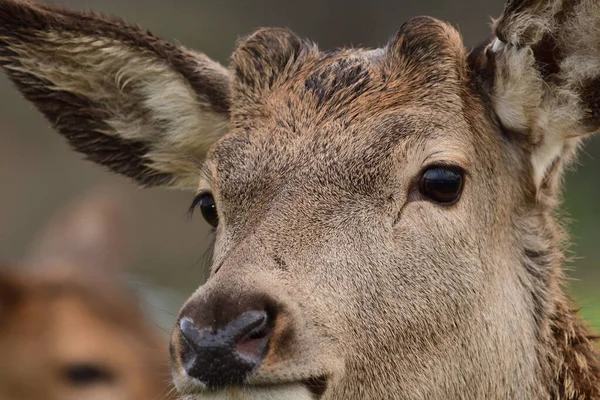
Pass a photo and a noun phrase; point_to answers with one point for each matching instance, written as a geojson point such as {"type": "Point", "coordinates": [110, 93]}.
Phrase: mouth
{"type": "Point", "coordinates": [307, 389]}
{"type": "Point", "coordinates": [316, 386]}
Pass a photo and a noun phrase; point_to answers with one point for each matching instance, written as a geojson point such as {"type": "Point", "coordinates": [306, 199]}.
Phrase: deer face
{"type": "Point", "coordinates": [362, 199]}
{"type": "Point", "coordinates": [67, 330]}
{"type": "Point", "coordinates": [382, 217]}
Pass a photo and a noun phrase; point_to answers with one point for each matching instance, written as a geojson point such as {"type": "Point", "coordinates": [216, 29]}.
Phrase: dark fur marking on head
{"type": "Point", "coordinates": [343, 75]}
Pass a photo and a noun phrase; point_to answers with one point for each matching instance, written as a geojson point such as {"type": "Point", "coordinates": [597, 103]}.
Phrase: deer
{"type": "Point", "coordinates": [69, 328]}
{"type": "Point", "coordinates": [385, 219]}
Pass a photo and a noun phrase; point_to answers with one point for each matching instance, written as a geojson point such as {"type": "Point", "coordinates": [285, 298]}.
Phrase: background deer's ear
{"type": "Point", "coordinates": [126, 99]}
{"type": "Point", "coordinates": [542, 75]}
{"type": "Point", "coordinates": [88, 234]}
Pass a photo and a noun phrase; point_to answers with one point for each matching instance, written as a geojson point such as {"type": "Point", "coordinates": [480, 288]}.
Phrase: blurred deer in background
{"type": "Point", "coordinates": [385, 219]}
{"type": "Point", "coordinates": [69, 330]}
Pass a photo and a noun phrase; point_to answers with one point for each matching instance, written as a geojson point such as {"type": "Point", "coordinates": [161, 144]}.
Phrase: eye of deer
{"type": "Point", "coordinates": [442, 184]}
{"type": "Point", "coordinates": [206, 202]}
{"type": "Point", "coordinates": [87, 374]}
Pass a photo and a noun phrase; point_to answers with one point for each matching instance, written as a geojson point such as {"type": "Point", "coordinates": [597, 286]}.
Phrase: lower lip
{"type": "Point", "coordinates": [295, 391]}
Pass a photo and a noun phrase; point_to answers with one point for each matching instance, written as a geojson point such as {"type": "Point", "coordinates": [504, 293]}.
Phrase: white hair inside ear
{"type": "Point", "coordinates": [546, 74]}
{"type": "Point", "coordinates": [497, 45]}
{"type": "Point", "coordinates": [525, 103]}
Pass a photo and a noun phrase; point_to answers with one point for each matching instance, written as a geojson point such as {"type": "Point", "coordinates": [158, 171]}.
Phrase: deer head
{"type": "Point", "coordinates": [68, 330]}
{"type": "Point", "coordinates": [384, 218]}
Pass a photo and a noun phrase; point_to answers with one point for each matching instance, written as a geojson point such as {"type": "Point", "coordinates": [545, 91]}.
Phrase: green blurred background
{"type": "Point", "coordinates": [38, 174]}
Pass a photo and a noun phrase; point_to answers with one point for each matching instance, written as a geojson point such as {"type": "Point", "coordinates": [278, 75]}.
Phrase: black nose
{"type": "Point", "coordinates": [226, 356]}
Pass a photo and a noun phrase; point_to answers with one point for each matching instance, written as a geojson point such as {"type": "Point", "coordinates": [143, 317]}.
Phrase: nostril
{"type": "Point", "coordinates": [225, 356]}
{"type": "Point", "coordinates": [254, 344]}
{"type": "Point", "coordinates": [261, 333]}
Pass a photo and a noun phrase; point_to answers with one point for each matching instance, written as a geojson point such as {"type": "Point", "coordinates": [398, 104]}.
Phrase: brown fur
{"type": "Point", "coordinates": [64, 308]}
{"type": "Point", "coordinates": [378, 292]}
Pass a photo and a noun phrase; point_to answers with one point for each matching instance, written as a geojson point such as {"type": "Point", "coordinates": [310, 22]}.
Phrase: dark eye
{"type": "Point", "coordinates": [87, 374]}
{"type": "Point", "coordinates": [442, 184]}
{"type": "Point", "coordinates": [208, 208]}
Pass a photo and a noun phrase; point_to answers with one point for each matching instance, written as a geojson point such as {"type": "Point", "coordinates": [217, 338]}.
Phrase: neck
{"type": "Point", "coordinates": [573, 356]}
{"type": "Point", "coordinates": [568, 352]}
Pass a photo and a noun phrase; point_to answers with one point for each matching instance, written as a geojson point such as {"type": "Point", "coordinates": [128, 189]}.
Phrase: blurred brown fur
{"type": "Point", "coordinates": [68, 330]}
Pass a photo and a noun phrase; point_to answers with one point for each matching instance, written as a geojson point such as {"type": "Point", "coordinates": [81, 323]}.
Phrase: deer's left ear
{"type": "Point", "coordinates": [542, 75]}
{"type": "Point", "coordinates": [126, 99]}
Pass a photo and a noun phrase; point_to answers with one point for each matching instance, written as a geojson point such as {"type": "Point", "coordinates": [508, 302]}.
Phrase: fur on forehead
{"type": "Point", "coordinates": [425, 54]}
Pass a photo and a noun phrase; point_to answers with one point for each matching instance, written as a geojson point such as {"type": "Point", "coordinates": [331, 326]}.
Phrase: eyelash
{"type": "Point", "coordinates": [190, 214]}
{"type": "Point", "coordinates": [194, 205]}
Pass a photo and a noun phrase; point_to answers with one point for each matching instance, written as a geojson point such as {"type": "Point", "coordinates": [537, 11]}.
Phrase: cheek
{"type": "Point", "coordinates": [409, 279]}
{"type": "Point", "coordinates": [439, 244]}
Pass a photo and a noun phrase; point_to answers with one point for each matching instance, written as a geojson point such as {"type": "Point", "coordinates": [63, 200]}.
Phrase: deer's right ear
{"type": "Point", "coordinates": [541, 74]}
{"type": "Point", "coordinates": [126, 99]}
